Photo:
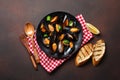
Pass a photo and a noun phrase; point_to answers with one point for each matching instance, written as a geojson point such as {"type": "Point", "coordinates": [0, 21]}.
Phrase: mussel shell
{"type": "Point", "coordinates": [71, 44]}
{"type": "Point", "coordinates": [68, 50]}
{"type": "Point", "coordinates": [58, 28]}
{"type": "Point", "coordinates": [54, 47]}
{"type": "Point", "coordinates": [65, 23]}
{"type": "Point", "coordinates": [74, 29]}
{"type": "Point", "coordinates": [42, 28]}
{"type": "Point", "coordinates": [61, 37]}
{"type": "Point", "coordinates": [60, 47]}
{"type": "Point", "coordinates": [46, 42]}
{"type": "Point", "coordinates": [70, 36]}
{"type": "Point", "coordinates": [53, 36]}
{"type": "Point", "coordinates": [51, 27]}
{"type": "Point", "coordinates": [54, 19]}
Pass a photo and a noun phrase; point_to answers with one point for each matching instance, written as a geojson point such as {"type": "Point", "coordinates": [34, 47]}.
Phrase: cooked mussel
{"type": "Point", "coordinates": [68, 43]}
{"type": "Point", "coordinates": [70, 36]}
{"type": "Point", "coordinates": [71, 44]}
{"type": "Point", "coordinates": [75, 36]}
{"type": "Point", "coordinates": [54, 19]}
{"type": "Point", "coordinates": [46, 41]}
{"type": "Point", "coordinates": [67, 51]}
{"type": "Point", "coordinates": [51, 28]}
{"type": "Point", "coordinates": [65, 23]}
{"type": "Point", "coordinates": [58, 27]}
{"type": "Point", "coordinates": [74, 29]}
{"type": "Point", "coordinates": [60, 47]}
{"type": "Point", "coordinates": [61, 37]}
{"type": "Point", "coordinates": [42, 28]}
{"type": "Point", "coordinates": [53, 36]}
{"type": "Point", "coordinates": [65, 17]}
{"type": "Point", "coordinates": [54, 47]}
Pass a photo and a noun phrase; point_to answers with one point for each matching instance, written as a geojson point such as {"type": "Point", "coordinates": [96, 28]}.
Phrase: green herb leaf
{"type": "Point", "coordinates": [65, 41]}
{"type": "Point", "coordinates": [45, 35]}
{"type": "Point", "coordinates": [59, 27]}
{"type": "Point", "coordinates": [48, 18]}
{"type": "Point", "coordinates": [70, 23]}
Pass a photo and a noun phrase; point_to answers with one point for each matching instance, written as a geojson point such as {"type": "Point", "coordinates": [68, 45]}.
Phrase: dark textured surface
{"type": "Point", "coordinates": [14, 59]}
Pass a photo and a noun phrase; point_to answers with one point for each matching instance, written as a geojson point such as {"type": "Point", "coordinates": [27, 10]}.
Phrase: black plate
{"type": "Point", "coordinates": [48, 50]}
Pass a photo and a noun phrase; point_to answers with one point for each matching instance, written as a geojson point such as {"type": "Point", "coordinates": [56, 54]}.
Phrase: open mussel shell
{"type": "Point", "coordinates": [59, 34]}
{"type": "Point", "coordinates": [46, 42]}
{"type": "Point", "coordinates": [54, 46]}
{"type": "Point", "coordinates": [68, 50]}
{"type": "Point", "coordinates": [51, 27]}
{"type": "Point", "coordinates": [54, 19]}
{"type": "Point", "coordinates": [74, 30]}
{"type": "Point", "coordinates": [61, 37]}
{"type": "Point", "coordinates": [71, 29]}
{"type": "Point", "coordinates": [60, 47]}
{"type": "Point", "coordinates": [42, 28]}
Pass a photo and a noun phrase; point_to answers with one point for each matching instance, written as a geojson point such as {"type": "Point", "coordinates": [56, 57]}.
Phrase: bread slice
{"type": "Point", "coordinates": [84, 54]}
{"type": "Point", "coordinates": [98, 52]}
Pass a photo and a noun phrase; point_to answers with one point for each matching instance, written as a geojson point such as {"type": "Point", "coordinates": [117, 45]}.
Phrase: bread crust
{"type": "Point", "coordinates": [84, 54]}
{"type": "Point", "coordinates": [98, 52]}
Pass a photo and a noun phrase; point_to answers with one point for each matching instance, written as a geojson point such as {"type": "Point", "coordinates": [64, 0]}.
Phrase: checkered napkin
{"type": "Point", "coordinates": [50, 63]}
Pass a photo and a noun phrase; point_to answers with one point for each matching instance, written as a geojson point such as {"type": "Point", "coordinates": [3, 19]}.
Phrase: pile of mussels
{"type": "Point", "coordinates": [59, 33]}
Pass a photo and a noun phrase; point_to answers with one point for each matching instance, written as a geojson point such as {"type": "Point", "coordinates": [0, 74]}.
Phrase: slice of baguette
{"type": "Point", "coordinates": [84, 54]}
{"type": "Point", "coordinates": [98, 52]}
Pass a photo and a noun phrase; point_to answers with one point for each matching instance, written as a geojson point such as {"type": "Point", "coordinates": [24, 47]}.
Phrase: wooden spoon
{"type": "Point", "coordinates": [29, 31]}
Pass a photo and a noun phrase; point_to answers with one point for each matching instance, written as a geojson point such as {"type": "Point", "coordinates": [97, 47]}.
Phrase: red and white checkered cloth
{"type": "Point", "coordinates": [49, 63]}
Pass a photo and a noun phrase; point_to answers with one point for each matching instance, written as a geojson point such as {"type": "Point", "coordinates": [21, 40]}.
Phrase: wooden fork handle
{"type": "Point", "coordinates": [33, 62]}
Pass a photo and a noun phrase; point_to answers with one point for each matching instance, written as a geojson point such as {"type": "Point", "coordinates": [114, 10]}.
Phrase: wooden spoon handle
{"type": "Point", "coordinates": [33, 62]}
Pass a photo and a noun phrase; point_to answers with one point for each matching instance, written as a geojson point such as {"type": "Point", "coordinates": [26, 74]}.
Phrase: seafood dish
{"type": "Point", "coordinates": [59, 34]}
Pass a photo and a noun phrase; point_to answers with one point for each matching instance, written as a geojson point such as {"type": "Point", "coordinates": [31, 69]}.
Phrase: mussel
{"type": "Point", "coordinates": [68, 43]}
{"type": "Point", "coordinates": [65, 23]}
{"type": "Point", "coordinates": [54, 47]}
{"type": "Point", "coordinates": [74, 29]}
{"type": "Point", "coordinates": [65, 17]}
{"type": "Point", "coordinates": [75, 36]}
{"type": "Point", "coordinates": [51, 28]}
{"type": "Point", "coordinates": [61, 37]}
{"type": "Point", "coordinates": [46, 41]}
{"type": "Point", "coordinates": [70, 36]}
{"type": "Point", "coordinates": [60, 47]}
{"type": "Point", "coordinates": [58, 27]}
{"type": "Point", "coordinates": [69, 49]}
{"type": "Point", "coordinates": [71, 44]}
{"type": "Point", "coordinates": [53, 36]}
{"type": "Point", "coordinates": [54, 19]}
{"type": "Point", "coordinates": [42, 28]}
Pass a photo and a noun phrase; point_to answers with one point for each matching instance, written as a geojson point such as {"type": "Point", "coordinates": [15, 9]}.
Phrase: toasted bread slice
{"type": "Point", "coordinates": [98, 52]}
{"type": "Point", "coordinates": [84, 54]}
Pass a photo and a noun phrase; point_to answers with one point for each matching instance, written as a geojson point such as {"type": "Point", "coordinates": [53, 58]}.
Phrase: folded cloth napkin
{"type": "Point", "coordinates": [50, 63]}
